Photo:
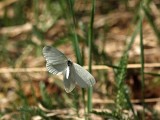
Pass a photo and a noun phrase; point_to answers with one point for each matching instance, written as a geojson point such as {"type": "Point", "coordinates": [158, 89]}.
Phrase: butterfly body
{"type": "Point", "coordinates": [69, 63]}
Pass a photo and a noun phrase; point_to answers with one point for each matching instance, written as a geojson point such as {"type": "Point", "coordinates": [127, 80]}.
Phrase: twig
{"type": "Point", "coordinates": [94, 67]}
{"type": "Point", "coordinates": [135, 101]}
{"type": "Point", "coordinates": [21, 70]}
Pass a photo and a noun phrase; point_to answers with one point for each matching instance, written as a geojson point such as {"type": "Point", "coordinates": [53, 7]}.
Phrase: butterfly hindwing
{"type": "Point", "coordinates": [82, 77]}
{"type": "Point", "coordinates": [69, 80]}
{"type": "Point", "coordinates": [56, 69]}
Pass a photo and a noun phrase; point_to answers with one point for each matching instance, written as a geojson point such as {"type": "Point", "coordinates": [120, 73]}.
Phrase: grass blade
{"type": "Point", "coordinates": [90, 39]}
{"type": "Point", "coordinates": [151, 22]}
{"type": "Point", "coordinates": [142, 63]}
{"type": "Point", "coordinates": [73, 30]}
{"type": "Point", "coordinates": [76, 43]}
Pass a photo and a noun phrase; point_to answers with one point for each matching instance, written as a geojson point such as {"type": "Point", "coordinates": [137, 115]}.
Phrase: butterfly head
{"type": "Point", "coordinates": [69, 63]}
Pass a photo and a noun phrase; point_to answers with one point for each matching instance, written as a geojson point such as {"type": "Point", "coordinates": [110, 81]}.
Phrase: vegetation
{"type": "Point", "coordinates": [117, 41]}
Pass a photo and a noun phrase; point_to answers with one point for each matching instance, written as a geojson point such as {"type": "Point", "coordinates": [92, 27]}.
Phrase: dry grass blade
{"type": "Point", "coordinates": [94, 67]}
{"type": "Point", "coordinates": [16, 30]}
{"type": "Point", "coordinates": [135, 101]}
{"type": "Point", "coordinates": [20, 70]}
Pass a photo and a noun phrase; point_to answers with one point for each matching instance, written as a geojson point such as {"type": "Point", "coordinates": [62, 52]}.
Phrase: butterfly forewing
{"type": "Point", "coordinates": [56, 60]}
{"type": "Point", "coordinates": [83, 77]}
{"type": "Point", "coordinates": [53, 55]}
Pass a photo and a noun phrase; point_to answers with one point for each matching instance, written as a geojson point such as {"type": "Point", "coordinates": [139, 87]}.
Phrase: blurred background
{"type": "Point", "coordinates": [28, 91]}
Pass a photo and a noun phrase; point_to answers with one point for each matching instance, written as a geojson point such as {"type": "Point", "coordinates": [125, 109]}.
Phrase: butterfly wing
{"type": "Point", "coordinates": [82, 77]}
{"type": "Point", "coordinates": [56, 60]}
{"type": "Point", "coordinates": [56, 69]}
{"type": "Point", "coordinates": [69, 79]}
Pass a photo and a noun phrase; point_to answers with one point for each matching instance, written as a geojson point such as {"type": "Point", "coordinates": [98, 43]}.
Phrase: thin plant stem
{"type": "Point", "coordinates": [76, 45]}
{"type": "Point", "coordinates": [36, 10]}
{"type": "Point", "coordinates": [90, 39]}
{"type": "Point", "coordinates": [151, 22]}
{"type": "Point", "coordinates": [133, 37]}
{"type": "Point", "coordinates": [75, 41]}
{"type": "Point", "coordinates": [142, 64]}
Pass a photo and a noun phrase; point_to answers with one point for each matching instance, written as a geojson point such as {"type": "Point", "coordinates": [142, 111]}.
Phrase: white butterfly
{"type": "Point", "coordinates": [58, 63]}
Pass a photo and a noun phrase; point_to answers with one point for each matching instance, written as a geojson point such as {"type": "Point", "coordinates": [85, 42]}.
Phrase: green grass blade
{"type": "Point", "coordinates": [46, 99]}
{"type": "Point", "coordinates": [36, 11]}
{"type": "Point", "coordinates": [153, 74]}
{"type": "Point", "coordinates": [151, 22]}
{"type": "Point", "coordinates": [90, 39]}
{"type": "Point", "coordinates": [130, 106]}
{"type": "Point", "coordinates": [133, 37]}
{"type": "Point", "coordinates": [142, 63]}
{"type": "Point", "coordinates": [75, 42]}
{"type": "Point", "coordinates": [73, 31]}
